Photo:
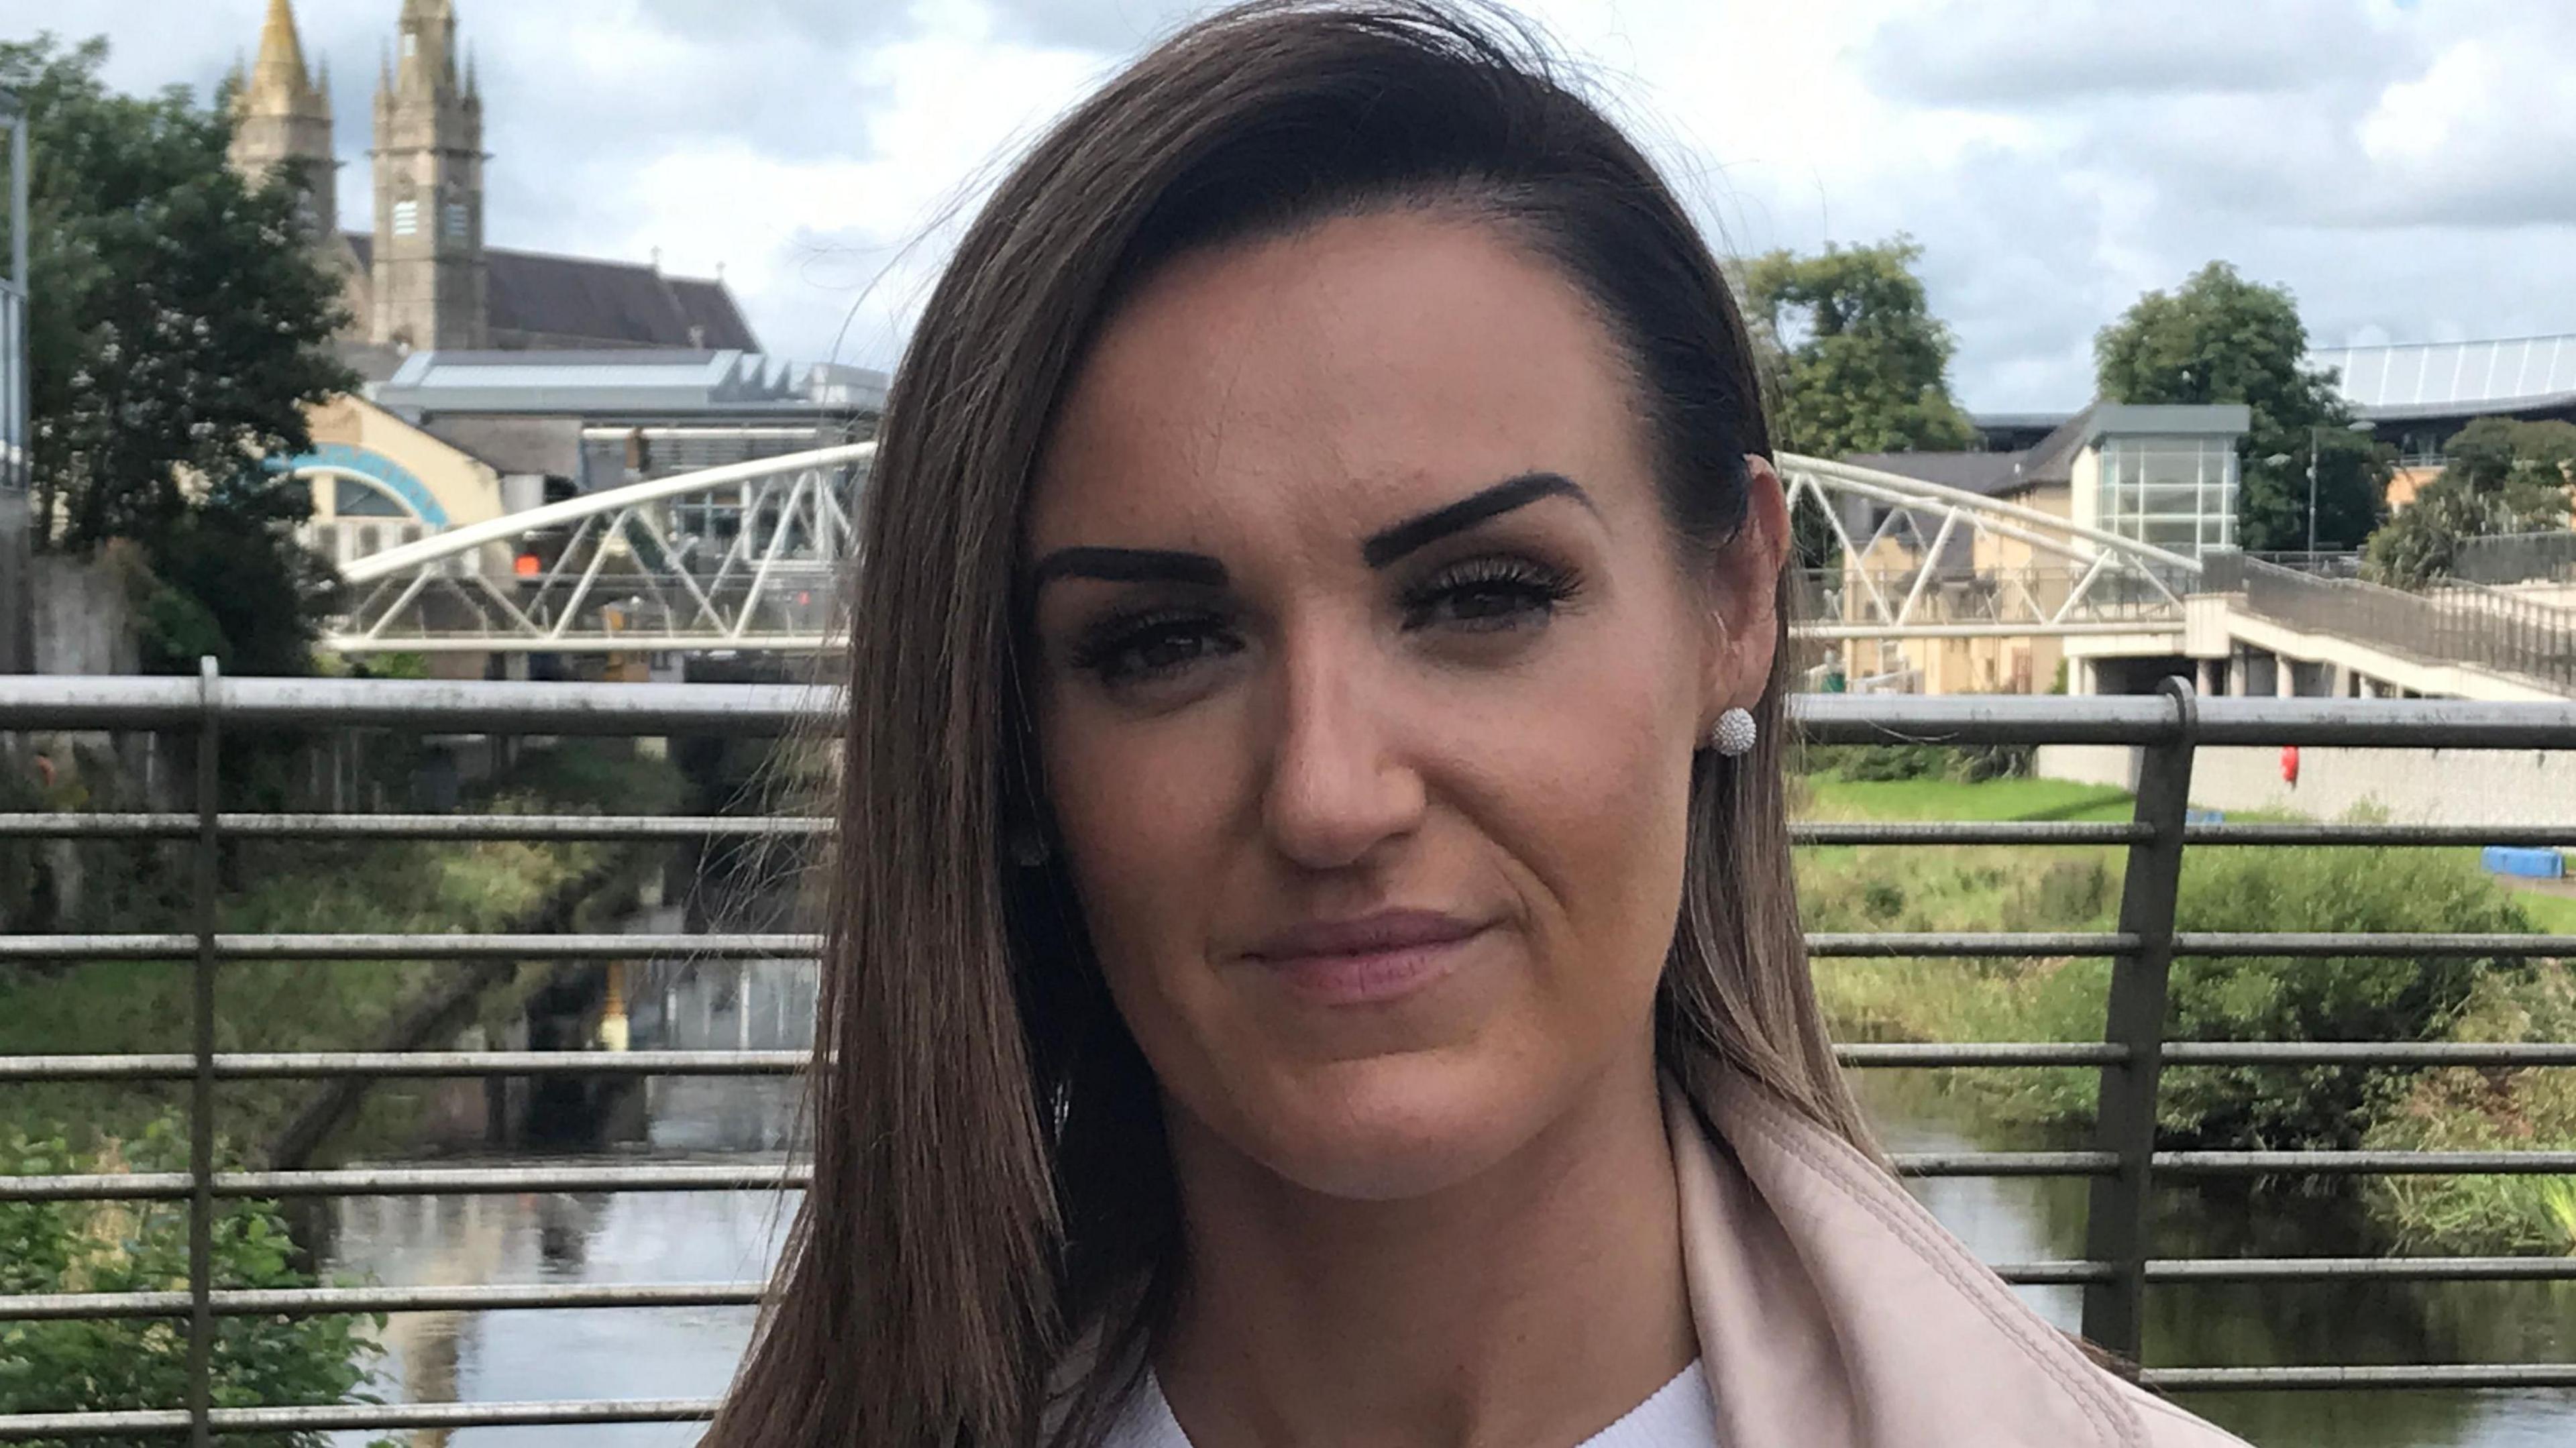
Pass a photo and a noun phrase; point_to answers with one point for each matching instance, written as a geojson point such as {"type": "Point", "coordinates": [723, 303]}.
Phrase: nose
{"type": "Point", "coordinates": [1340, 785]}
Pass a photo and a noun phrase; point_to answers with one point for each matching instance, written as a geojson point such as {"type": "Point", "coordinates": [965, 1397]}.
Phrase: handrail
{"type": "Point", "coordinates": [426, 706]}
{"type": "Point", "coordinates": [2446, 623]}
{"type": "Point", "coordinates": [468, 537]}
{"type": "Point", "coordinates": [2121, 1165]}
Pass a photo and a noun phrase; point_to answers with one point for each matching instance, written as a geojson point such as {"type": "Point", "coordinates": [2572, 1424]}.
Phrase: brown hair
{"type": "Point", "coordinates": [990, 1183]}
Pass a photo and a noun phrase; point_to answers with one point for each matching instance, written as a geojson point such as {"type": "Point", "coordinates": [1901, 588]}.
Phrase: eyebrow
{"type": "Point", "coordinates": [1128, 565]}
{"type": "Point", "coordinates": [1389, 544]}
{"type": "Point", "coordinates": [1380, 549]}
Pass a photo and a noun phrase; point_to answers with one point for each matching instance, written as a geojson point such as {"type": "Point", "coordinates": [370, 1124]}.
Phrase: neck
{"type": "Point", "coordinates": [1533, 1304]}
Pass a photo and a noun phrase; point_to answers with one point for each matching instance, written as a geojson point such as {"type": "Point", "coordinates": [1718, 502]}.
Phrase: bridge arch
{"type": "Point", "coordinates": [745, 557]}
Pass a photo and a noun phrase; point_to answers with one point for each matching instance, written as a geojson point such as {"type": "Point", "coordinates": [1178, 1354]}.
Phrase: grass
{"type": "Point", "coordinates": [2465, 1109]}
{"type": "Point", "coordinates": [2552, 914]}
{"type": "Point", "coordinates": [410, 886]}
{"type": "Point", "coordinates": [1913, 888]}
{"type": "Point", "coordinates": [1944, 799]}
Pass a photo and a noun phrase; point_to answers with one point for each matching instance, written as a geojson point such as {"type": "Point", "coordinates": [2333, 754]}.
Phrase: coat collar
{"type": "Point", "coordinates": [1834, 1312]}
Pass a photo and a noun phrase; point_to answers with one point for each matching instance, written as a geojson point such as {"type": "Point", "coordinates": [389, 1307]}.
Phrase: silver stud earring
{"type": "Point", "coordinates": [1734, 734]}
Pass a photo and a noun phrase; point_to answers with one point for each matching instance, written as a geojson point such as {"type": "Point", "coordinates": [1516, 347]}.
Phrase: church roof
{"type": "Point", "coordinates": [542, 300]}
{"type": "Point", "coordinates": [577, 299]}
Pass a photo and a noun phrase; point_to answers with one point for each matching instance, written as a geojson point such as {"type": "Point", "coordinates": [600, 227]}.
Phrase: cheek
{"type": "Point", "coordinates": [1143, 809]}
{"type": "Point", "coordinates": [1586, 791]}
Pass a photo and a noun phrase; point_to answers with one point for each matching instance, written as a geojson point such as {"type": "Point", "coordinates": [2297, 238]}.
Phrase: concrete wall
{"type": "Point", "coordinates": [2410, 786]}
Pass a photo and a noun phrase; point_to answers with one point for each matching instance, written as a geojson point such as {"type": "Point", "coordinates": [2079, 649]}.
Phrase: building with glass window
{"type": "Point", "coordinates": [2164, 476]}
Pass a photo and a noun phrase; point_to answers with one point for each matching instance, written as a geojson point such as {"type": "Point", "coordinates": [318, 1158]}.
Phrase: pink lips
{"type": "Point", "coordinates": [1373, 958]}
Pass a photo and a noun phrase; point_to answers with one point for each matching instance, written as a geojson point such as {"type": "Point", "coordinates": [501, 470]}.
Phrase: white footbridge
{"type": "Point", "coordinates": [745, 558]}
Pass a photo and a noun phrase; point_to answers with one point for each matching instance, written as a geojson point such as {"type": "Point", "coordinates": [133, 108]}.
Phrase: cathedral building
{"type": "Point", "coordinates": [422, 277]}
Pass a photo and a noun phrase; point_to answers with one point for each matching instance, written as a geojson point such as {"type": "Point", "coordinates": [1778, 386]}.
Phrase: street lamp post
{"type": "Point", "coordinates": [2316, 436]}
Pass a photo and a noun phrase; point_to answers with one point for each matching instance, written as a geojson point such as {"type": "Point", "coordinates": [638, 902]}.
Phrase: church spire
{"type": "Point", "coordinates": [278, 84]}
{"type": "Point", "coordinates": [282, 116]}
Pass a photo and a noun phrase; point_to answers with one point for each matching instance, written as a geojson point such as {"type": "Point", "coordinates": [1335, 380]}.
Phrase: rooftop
{"type": "Point", "coordinates": [548, 300]}
{"type": "Point", "coordinates": [2440, 379]}
{"type": "Point", "coordinates": [626, 380]}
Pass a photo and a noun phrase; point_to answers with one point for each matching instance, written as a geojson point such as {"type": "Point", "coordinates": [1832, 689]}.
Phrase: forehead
{"type": "Point", "coordinates": [1358, 367]}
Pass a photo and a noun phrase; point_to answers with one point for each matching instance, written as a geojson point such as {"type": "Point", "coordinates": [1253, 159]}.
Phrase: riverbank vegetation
{"type": "Point", "coordinates": [109, 1006]}
{"type": "Point", "coordinates": [112, 1006]}
{"type": "Point", "coordinates": [2077, 888]}
{"type": "Point", "coordinates": [131, 1363]}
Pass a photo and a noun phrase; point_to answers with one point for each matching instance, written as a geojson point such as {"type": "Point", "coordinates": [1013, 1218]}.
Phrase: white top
{"type": "Point", "coordinates": [1681, 1414]}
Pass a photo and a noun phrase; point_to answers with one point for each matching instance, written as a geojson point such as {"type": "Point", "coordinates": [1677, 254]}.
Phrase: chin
{"type": "Point", "coordinates": [1390, 1128]}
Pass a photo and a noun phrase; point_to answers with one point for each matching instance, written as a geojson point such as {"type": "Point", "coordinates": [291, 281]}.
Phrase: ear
{"type": "Point", "coordinates": [1743, 595]}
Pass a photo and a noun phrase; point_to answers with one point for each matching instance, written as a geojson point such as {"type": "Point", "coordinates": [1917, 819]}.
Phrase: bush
{"type": "Point", "coordinates": [2262, 999]}
{"type": "Point", "coordinates": [70, 1367]}
{"type": "Point", "coordinates": [2354, 998]}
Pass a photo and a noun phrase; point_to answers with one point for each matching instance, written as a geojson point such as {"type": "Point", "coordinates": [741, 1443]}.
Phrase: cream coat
{"type": "Point", "coordinates": [1834, 1312]}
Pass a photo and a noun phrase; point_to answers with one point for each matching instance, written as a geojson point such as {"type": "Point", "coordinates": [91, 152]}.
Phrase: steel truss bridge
{"type": "Point", "coordinates": [746, 558]}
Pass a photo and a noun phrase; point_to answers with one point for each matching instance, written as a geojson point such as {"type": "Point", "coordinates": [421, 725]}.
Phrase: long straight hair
{"type": "Point", "coordinates": [991, 1231]}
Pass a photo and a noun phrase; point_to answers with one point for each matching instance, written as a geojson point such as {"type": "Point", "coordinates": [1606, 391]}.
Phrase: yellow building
{"type": "Point", "coordinates": [2165, 476]}
{"type": "Point", "coordinates": [378, 482]}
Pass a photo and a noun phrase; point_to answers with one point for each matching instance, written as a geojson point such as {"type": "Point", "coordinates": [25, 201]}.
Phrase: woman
{"type": "Point", "coordinates": [1314, 958]}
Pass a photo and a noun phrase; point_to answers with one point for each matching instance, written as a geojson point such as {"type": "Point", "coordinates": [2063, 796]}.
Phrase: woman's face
{"type": "Point", "coordinates": [1371, 675]}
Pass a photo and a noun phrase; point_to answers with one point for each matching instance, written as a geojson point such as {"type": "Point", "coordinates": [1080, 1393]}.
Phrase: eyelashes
{"type": "Point", "coordinates": [1485, 595]}
{"type": "Point", "coordinates": [1489, 593]}
{"type": "Point", "coordinates": [1151, 643]}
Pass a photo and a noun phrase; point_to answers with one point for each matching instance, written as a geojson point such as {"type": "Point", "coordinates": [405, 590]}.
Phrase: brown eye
{"type": "Point", "coordinates": [1487, 594]}
{"type": "Point", "coordinates": [1143, 648]}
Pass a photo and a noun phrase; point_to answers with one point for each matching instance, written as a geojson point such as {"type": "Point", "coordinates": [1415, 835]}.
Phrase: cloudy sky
{"type": "Point", "coordinates": [2407, 167]}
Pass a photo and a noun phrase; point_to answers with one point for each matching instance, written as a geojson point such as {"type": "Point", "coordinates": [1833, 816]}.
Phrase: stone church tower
{"type": "Point", "coordinates": [281, 114]}
{"type": "Point", "coordinates": [428, 255]}
{"type": "Point", "coordinates": [421, 279]}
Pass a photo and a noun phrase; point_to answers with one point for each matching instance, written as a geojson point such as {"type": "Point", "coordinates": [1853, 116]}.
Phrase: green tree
{"type": "Point", "coordinates": [179, 324]}
{"type": "Point", "coordinates": [2503, 476]}
{"type": "Point", "coordinates": [1858, 361]}
{"type": "Point", "coordinates": [1853, 358]}
{"type": "Point", "coordinates": [2221, 338]}
{"type": "Point", "coordinates": [71, 1367]}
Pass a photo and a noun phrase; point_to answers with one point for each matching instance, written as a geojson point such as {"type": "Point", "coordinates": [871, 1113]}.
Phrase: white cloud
{"type": "Point", "coordinates": [831, 253]}
{"type": "Point", "coordinates": [2407, 166]}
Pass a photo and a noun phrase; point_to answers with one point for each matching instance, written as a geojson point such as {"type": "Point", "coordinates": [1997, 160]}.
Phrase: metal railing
{"type": "Point", "coordinates": [2450, 623]}
{"type": "Point", "coordinates": [2324, 563]}
{"type": "Point", "coordinates": [2122, 1162]}
{"type": "Point", "coordinates": [2517, 557]}
{"type": "Point", "coordinates": [1927, 600]}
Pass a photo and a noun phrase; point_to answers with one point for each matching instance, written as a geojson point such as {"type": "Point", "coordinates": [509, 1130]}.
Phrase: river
{"type": "Point", "coordinates": [696, 1237]}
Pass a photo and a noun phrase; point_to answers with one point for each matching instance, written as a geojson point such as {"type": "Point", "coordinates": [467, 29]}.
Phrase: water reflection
{"type": "Point", "coordinates": [602, 1238]}
{"type": "Point", "coordinates": [2266, 1324]}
